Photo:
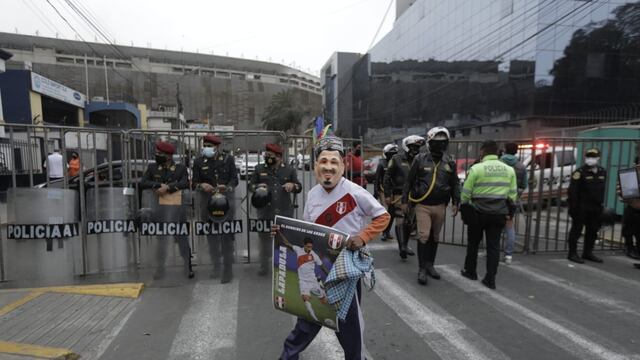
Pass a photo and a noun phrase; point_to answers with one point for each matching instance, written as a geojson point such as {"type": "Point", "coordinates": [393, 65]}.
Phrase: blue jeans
{"type": "Point", "coordinates": [510, 233]}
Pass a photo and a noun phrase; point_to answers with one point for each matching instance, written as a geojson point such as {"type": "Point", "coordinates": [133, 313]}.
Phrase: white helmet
{"type": "Point", "coordinates": [431, 134]}
{"type": "Point", "coordinates": [389, 148]}
{"type": "Point", "coordinates": [412, 140]}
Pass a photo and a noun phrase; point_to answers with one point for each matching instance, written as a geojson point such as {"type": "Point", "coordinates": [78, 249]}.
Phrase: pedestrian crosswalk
{"type": "Point", "coordinates": [542, 309]}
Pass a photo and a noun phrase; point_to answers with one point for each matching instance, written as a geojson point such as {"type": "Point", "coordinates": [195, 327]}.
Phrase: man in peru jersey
{"type": "Point", "coordinates": [343, 205]}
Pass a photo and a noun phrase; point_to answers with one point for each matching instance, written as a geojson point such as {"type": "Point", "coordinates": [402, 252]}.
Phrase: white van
{"type": "Point", "coordinates": [551, 164]}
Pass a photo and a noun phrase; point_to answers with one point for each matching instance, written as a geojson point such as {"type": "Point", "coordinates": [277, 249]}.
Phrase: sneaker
{"type": "Point", "coordinates": [507, 259]}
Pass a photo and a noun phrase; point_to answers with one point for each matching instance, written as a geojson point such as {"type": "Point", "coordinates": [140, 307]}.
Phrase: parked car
{"type": "Point", "coordinates": [247, 164]}
{"type": "Point", "coordinates": [105, 176]}
{"type": "Point", "coordinates": [370, 166]}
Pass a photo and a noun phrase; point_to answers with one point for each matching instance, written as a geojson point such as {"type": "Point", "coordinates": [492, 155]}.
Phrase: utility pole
{"type": "Point", "coordinates": [86, 75]}
{"type": "Point", "coordinates": [106, 79]}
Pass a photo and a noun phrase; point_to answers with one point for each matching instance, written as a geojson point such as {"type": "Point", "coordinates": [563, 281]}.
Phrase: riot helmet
{"type": "Point", "coordinates": [218, 206]}
{"type": "Point", "coordinates": [261, 197]}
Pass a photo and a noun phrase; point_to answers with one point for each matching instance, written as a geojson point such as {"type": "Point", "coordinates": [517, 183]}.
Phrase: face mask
{"type": "Point", "coordinates": [161, 159]}
{"type": "Point", "coordinates": [269, 160]}
{"type": "Point", "coordinates": [328, 172]}
{"type": "Point", "coordinates": [208, 152]}
{"type": "Point", "coordinates": [437, 147]}
{"type": "Point", "coordinates": [413, 151]}
{"type": "Point", "coordinates": [591, 161]}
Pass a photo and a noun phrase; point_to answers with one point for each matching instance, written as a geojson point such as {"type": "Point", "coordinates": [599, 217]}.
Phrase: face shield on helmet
{"type": "Point", "coordinates": [438, 140]}
{"type": "Point", "coordinates": [389, 150]}
{"type": "Point", "coordinates": [412, 144]}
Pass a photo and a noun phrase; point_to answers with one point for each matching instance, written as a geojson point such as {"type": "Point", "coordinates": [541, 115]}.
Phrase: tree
{"type": "Point", "coordinates": [283, 113]}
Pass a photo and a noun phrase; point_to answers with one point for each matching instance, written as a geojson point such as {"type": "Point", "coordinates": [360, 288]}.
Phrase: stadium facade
{"type": "Point", "coordinates": [213, 90]}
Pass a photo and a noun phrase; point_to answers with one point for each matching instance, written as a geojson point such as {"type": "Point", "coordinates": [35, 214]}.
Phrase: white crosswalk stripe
{"type": "Point", "coordinates": [580, 292]}
{"type": "Point", "coordinates": [208, 329]}
{"type": "Point", "coordinates": [445, 334]}
{"type": "Point", "coordinates": [579, 342]}
{"type": "Point", "coordinates": [602, 273]}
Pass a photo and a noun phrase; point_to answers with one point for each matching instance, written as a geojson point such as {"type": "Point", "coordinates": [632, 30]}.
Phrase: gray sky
{"type": "Point", "coordinates": [303, 32]}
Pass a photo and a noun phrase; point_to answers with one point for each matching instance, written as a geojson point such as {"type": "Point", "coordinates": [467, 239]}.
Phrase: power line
{"type": "Point", "coordinates": [84, 41]}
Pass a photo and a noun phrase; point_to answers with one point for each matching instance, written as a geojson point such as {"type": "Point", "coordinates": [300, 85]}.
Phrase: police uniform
{"type": "Point", "coordinates": [586, 199]}
{"type": "Point", "coordinates": [432, 182]}
{"type": "Point", "coordinates": [394, 180]}
{"type": "Point", "coordinates": [217, 170]}
{"type": "Point", "coordinates": [175, 177]}
{"type": "Point", "coordinates": [281, 201]}
{"type": "Point", "coordinates": [378, 193]}
{"type": "Point", "coordinates": [488, 196]}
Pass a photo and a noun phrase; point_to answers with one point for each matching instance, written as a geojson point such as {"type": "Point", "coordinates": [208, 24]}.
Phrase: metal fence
{"type": "Point", "coordinates": [106, 193]}
{"type": "Point", "coordinates": [543, 223]}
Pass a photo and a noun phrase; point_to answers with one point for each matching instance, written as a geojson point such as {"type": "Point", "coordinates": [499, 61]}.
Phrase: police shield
{"type": "Point", "coordinates": [215, 225]}
{"type": "Point", "coordinates": [42, 235]}
{"type": "Point", "coordinates": [111, 229]}
{"type": "Point", "coordinates": [164, 227]}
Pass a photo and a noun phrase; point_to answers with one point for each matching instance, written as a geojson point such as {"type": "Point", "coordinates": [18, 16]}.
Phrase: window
{"type": "Point", "coordinates": [565, 158]}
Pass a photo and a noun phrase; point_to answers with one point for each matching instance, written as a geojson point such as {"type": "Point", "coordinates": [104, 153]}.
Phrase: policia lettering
{"type": "Point", "coordinates": [41, 231]}
{"type": "Point", "coordinates": [111, 226]}
{"type": "Point", "coordinates": [218, 228]}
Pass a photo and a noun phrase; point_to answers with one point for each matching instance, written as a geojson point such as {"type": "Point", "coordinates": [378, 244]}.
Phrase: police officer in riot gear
{"type": "Point", "coordinates": [378, 191]}
{"type": "Point", "coordinates": [432, 182]}
{"type": "Point", "coordinates": [215, 172]}
{"type": "Point", "coordinates": [586, 199]}
{"type": "Point", "coordinates": [166, 177]}
{"type": "Point", "coordinates": [394, 180]}
{"type": "Point", "coordinates": [280, 180]}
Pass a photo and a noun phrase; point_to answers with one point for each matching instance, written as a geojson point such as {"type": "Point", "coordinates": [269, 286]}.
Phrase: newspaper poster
{"type": "Point", "coordinates": [303, 255]}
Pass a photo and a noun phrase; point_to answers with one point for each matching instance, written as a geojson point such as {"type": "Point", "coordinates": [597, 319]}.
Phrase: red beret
{"type": "Point", "coordinates": [274, 148]}
{"type": "Point", "coordinates": [165, 147]}
{"type": "Point", "coordinates": [210, 138]}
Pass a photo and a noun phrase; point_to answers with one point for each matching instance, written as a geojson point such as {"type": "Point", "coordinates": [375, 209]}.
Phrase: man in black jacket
{"type": "Point", "coordinates": [166, 177]}
{"type": "Point", "coordinates": [431, 184]}
{"type": "Point", "coordinates": [281, 181]}
{"type": "Point", "coordinates": [586, 199]}
{"type": "Point", "coordinates": [215, 172]}
{"type": "Point", "coordinates": [388, 152]}
{"type": "Point", "coordinates": [394, 180]}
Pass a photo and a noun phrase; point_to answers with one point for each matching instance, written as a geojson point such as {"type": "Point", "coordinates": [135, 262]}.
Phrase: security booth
{"type": "Point", "coordinates": [42, 236]}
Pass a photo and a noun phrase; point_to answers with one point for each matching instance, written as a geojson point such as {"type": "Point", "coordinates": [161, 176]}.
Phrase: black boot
{"type": "Point", "coordinates": [402, 241]}
{"type": "Point", "coordinates": [409, 250]}
{"type": "Point", "coordinates": [422, 263]}
{"type": "Point", "coordinates": [188, 269]}
{"type": "Point", "coordinates": [575, 258]}
{"type": "Point", "coordinates": [431, 251]}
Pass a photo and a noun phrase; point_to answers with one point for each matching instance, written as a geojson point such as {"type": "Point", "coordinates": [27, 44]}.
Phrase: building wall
{"type": "Point", "coordinates": [473, 62]}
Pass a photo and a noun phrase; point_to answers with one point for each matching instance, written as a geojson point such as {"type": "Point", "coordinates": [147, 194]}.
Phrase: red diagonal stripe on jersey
{"type": "Point", "coordinates": [336, 211]}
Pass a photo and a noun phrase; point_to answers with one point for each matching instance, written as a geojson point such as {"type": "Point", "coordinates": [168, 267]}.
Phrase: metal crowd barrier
{"type": "Point", "coordinates": [53, 229]}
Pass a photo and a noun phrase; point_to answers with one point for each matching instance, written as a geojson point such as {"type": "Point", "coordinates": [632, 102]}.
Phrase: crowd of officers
{"type": "Point", "coordinates": [214, 179]}
{"type": "Point", "coordinates": [415, 186]}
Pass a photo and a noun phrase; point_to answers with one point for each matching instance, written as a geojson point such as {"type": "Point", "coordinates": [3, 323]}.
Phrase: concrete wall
{"type": "Point", "coordinates": [241, 102]}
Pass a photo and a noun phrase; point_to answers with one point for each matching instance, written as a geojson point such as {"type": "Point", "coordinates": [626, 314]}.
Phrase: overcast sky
{"type": "Point", "coordinates": [300, 32]}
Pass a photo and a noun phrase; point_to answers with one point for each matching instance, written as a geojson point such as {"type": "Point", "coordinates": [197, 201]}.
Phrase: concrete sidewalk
{"type": "Point", "coordinates": [65, 322]}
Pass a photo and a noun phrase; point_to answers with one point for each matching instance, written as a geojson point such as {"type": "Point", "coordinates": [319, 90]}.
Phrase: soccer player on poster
{"type": "Point", "coordinates": [307, 259]}
{"type": "Point", "coordinates": [340, 204]}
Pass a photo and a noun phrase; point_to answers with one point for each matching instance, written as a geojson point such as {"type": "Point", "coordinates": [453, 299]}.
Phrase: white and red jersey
{"type": "Point", "coordinates": [307, 264]}
{"type": "Point", "coordinates": [346, 207]}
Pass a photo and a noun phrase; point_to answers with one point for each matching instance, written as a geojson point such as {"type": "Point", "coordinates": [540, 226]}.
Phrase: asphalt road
{"type": "Point", "coordinates": [543, 308]}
